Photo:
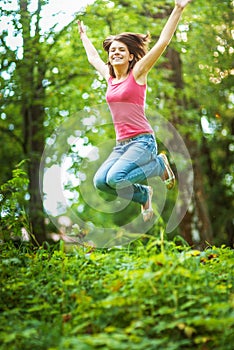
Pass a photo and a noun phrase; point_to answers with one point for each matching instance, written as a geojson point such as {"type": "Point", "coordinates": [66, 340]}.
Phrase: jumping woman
{"type": "Point", "coordinates": [134, 158]}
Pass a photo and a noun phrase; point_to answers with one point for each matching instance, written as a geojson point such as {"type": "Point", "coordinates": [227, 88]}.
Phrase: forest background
{"type": "Point", "coordinates": [154, 292]}
{"type": "Point", "coordinates": [47, 82]}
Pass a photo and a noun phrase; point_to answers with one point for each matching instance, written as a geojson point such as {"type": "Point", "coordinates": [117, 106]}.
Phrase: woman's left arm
{"type": "Point", "coordinates": [143, 66]}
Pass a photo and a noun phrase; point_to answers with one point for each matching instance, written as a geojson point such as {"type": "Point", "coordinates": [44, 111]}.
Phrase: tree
{"type": "Point", "coordinates": [46, 80]}
{"type": "Point", "coordinates": [24, 73]}
{"type": "Point", "coordinates": [34, 73]}
{"type": "Point", "coordinates": [210, 73]}
{"type": "Point", "coordinates": [182, 86]}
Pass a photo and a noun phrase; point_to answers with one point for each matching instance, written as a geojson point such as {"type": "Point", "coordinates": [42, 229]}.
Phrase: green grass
{"type": "Point", "coordinates": [139, 297]}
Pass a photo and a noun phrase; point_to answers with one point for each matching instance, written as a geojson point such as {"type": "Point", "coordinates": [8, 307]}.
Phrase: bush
{"type": "Point", "coordinates": [139, 297]}
{"type": "Point", "coordinates": [13, 201]}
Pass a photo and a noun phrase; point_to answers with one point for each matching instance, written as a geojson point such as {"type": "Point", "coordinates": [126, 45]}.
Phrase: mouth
{"type": "Point", "coordinates": [116, 58]}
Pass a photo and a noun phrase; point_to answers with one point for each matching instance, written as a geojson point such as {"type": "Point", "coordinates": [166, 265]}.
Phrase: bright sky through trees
{"type": "Point", "coordinates": [58, 13]}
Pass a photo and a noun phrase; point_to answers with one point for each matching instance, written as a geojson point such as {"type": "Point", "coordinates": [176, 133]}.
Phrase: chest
{"type": "Point", "coordinates": [119, 92]}
{"type": "Point", "coordinates": [126, 91]}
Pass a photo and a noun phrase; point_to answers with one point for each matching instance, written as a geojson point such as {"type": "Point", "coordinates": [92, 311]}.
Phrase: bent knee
{"type": "Point", "coordinates": [99, 182]}
{"type": "Point", "coordinates": [113, 180]}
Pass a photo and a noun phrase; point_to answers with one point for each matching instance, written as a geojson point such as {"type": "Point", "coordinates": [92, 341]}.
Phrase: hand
{"type": "Point", "coordinates": [81, 28]}
{"type": "Point", "coordinates": [182, 3]}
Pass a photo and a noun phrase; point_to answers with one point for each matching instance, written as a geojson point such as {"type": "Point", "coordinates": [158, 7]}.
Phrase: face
{"type": "Point", "coordinates": [119, 54]}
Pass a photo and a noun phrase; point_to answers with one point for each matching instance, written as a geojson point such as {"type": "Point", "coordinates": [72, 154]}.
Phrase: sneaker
{"type": "Point", "coordinates": [147, 210]}
{"type": "Point", "coordinates": [168, 176]}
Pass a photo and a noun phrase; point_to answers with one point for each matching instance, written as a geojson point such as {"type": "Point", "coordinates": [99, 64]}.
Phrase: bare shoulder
{"type": "Point", "coordinates": [101, 67]}
{"type": "Point", "coordinates": [139, 74]}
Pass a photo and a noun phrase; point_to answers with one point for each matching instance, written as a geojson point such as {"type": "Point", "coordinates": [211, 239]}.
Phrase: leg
{"type": "Point", "coordinates": [101, 174]}
{"type": "Point", "coordinates": [168, 176]}
{"type": "Point", "coordinates": [138, 162]}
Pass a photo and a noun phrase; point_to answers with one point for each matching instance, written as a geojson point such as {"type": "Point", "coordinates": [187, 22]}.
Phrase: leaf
{"type": "Point", "coordinates": [189, 331]}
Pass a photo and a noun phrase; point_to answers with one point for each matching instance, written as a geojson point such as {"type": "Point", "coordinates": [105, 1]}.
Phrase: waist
{"type": "Point", "coordinates": [134, 138]}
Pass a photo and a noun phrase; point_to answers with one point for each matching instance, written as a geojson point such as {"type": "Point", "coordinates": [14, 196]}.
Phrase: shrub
{"type": "Point", "coordinates": [138, 297]}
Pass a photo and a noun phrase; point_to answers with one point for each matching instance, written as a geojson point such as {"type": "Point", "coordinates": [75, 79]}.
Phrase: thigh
{"type": "Point", "coordinates": [139, 152]}
{"type": "Point", "coordinates": [114, 156]}
{"type": "Point", "coordinates": [134, 156]}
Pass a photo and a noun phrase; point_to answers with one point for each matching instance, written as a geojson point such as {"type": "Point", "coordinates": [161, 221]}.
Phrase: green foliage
{"type": "Point", "coordinates": [204, 46]}
{"type": "Point", "coordinates": [62, 83]}
{"type": "Point", "coordinates": [140, 297]}
{"type": "Point", "coordinates": [13, 200]}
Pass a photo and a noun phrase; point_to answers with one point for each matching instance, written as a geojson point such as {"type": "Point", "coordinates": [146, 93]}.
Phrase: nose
{"type": "Point", "coordinates": [116, 52]}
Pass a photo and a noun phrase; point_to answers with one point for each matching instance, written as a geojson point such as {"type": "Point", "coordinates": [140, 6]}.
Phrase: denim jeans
{"type": "Point", "coordinates": [128, 165]}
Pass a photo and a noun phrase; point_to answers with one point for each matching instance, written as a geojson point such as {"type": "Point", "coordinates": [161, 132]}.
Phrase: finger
{"type": "Point", "coordinates": [80, 26]}
{"type": "Point", "coordinates": [80, 23]}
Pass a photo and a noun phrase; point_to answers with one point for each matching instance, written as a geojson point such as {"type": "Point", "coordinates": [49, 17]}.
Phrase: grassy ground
{"type": "Point", "coordinates": [145, 296]}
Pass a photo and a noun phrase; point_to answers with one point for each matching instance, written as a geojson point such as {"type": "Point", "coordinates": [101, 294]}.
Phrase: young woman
{"type": "Point", "coordinates": [134, 159]}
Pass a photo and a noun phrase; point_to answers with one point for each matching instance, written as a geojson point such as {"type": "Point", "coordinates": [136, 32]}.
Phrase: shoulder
{"type": "Point", "coordinates": [109, 79]}
{"type": "Point", "coordinates": [139, 77]}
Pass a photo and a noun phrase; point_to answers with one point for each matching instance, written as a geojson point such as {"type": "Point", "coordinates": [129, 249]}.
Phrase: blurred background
{"type": "Point", "coordinates": [47, 82]}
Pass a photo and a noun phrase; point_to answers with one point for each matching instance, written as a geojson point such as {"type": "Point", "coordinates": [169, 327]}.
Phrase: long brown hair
{"type": "Point", "coordinates": [137, 45]}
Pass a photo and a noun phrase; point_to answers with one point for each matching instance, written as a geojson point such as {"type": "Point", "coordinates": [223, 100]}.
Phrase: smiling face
{"type": "Point", "coordinates": [119, 54]}
{"type": "Point", "coordinates": [131, 47]}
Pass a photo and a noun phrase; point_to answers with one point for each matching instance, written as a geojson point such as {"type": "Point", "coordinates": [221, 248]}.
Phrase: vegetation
{"type": "Point", "coordinates": [151, 293]}
{"type": "Point", "coordinates": [148, 295]}
{"type": "Point", "coordinates": [45, 81]}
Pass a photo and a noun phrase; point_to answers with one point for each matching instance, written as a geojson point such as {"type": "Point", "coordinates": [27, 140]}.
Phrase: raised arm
{"type": "Point", "coordinates": [92, 54]}
{"type": "Point", "coordinates": [143, 66]}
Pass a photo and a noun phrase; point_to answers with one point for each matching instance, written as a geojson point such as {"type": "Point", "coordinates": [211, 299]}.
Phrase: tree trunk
{"type": "Point", "coordinates": [202, 221]}
{"type": "Point", "coordinates": [32, 72]}
{"type": "Point", "coordinates": [33, 118]}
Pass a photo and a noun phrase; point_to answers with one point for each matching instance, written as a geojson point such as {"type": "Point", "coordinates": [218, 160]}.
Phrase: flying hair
{"type": "Point", "coordinates": [137, 45]}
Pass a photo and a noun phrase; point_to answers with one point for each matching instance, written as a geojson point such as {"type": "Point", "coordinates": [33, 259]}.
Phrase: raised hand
{"type": "Point", "coordinates": [182, 3]}
{"type": "Point", "coordinates": [81, 28]}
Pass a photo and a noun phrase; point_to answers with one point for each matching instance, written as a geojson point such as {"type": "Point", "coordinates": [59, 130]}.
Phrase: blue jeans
{"type": "Point", "coordinates": [128, 165]}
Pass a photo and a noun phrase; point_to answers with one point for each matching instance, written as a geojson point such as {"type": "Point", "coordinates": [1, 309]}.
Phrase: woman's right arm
{"type": "Point", "coordinates": [92, 54]}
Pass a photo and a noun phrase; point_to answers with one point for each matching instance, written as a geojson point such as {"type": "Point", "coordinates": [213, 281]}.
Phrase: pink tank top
{"type": "Point", "coordinates": [126, 101]}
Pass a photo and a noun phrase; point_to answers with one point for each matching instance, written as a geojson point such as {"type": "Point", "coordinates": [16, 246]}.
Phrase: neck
{"type": "Point", "coordinates": [120, 73]}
